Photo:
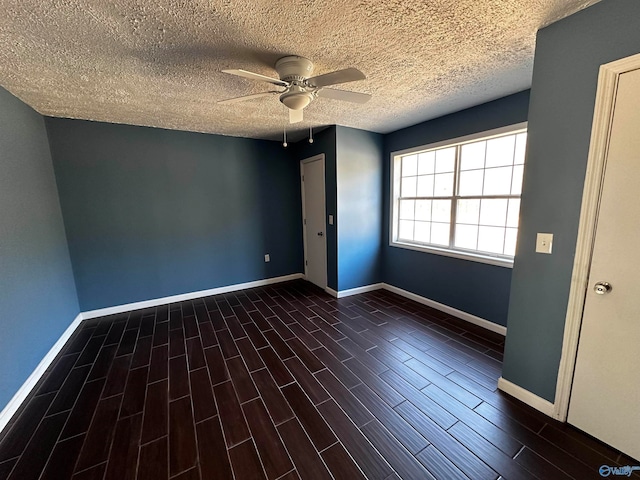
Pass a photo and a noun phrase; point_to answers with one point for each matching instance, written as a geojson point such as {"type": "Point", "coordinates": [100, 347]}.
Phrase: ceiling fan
{"type": "Point", "coordinates": [300, 89]}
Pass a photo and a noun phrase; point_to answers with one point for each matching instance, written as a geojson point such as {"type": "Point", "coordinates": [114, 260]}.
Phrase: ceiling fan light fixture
{"type": "Point", "coordinates": [296, 100]}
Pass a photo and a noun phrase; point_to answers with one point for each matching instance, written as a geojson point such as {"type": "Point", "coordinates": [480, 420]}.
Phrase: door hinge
{"type": "Point", "coordinates": [305, 221]}
{"type": "Point", "coordinates": [303, 178]}
{"type": "Point", "coordinates": [306, 263]}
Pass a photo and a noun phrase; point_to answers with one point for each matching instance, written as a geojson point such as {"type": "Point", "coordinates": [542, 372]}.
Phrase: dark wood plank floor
{"type": "Point", "coordinates": [285, 382]}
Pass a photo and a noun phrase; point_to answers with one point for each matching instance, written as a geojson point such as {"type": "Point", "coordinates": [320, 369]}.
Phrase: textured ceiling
{"type": "Point", "coordinates": [158, 62]}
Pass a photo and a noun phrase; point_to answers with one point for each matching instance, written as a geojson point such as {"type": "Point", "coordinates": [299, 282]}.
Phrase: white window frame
{"type": "Point", "coordinates": [488, 258]}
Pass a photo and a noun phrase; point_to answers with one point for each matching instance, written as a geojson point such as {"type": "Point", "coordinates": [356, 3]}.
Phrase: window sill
{"type": "Point", "coordinates": [499, 262]}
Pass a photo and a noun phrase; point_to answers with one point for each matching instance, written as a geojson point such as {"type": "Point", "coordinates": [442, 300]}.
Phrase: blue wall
{"type": "Point", "coordinates": [567, 59]}
{"type": "Point", "coordinates": [324, 142]}
{"type": "Point", "coordinates": [359, 220]}
{"type": "Point", "coordinates": [476, 288]}
{"type": "Point", "coordinates": [353, 184]}
{"type": "Point", "coordinates": [151, 213]}
{"type": "Point", "coordinates": [37, 292]}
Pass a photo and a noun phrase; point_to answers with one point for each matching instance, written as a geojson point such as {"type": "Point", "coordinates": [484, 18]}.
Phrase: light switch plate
{"type": "Point", "coordinates": [267, 258]}
{"type": "Point", "coordinates": [330, 219]}
{"type": "Point", "coordinates": [544, 243]}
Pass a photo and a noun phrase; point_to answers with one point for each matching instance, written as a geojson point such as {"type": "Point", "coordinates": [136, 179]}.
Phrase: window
{"type": "Point", "coordinates": [461, 197]}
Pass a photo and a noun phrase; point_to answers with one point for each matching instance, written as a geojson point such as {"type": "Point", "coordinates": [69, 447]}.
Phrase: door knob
{"type": "Point", "coordinates": [320, 234]}
{"type": "Point", "coordinates": [602, 287]}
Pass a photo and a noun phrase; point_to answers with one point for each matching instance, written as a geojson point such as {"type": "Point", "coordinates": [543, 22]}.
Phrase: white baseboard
{"type": "Point", "coordinates": [481, 322]}
{"type": "Point", "coordinates": [332, 292]}
{"type": "Point", "coordinates": [526, 396]}
{"type": "Point", "coordinates": [102, 312]}
{"type": "Point", "coordinates": [12, 407]}
{"type": "Point", "coordinates": [354, 291]}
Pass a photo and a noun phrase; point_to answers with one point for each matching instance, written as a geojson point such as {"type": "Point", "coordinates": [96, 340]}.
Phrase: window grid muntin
{"type": "Point", "coordinates": [515, 162]}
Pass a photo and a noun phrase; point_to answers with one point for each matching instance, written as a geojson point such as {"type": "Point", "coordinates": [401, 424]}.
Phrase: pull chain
{"type": "Point", "coordinates": [284, 143]}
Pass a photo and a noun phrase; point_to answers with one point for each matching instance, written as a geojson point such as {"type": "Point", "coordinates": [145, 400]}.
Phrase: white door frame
{"type": "Point", "coordinates": [304, 215]}
{"type": "Point", "coordinates": [600, 131]}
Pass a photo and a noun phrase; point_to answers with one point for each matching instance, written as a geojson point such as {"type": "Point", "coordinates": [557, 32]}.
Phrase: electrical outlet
{"type": "Point", "coordinates": [544, 243]}
{"type": "Point", "coordinates": [267, 258]}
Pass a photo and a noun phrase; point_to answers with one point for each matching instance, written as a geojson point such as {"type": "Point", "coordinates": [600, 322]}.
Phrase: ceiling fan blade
{"type": "Point", "coordinates": [334, 78]}
{"type": "Point", "coordinates": [344, 95]}
{"type": "Point", "coordinates": [256, 76]}
{"type": "Point", "coordinates": [245, 97]}
{"type": "Point", "coordinates": [295, 116]}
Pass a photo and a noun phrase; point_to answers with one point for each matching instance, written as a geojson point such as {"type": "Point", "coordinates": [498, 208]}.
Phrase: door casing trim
{"type": "Point", "coordinates": [608, 77]}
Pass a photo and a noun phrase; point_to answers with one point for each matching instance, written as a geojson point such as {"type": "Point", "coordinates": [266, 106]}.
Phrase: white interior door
{"type": "Point", "coordinates": [605, 395]}
{"type": "Point", "coordinates": [313, 212]}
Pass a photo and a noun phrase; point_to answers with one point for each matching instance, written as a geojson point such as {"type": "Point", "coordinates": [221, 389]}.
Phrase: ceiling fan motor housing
{"type": "Point", "coordinates": [294, 68]}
